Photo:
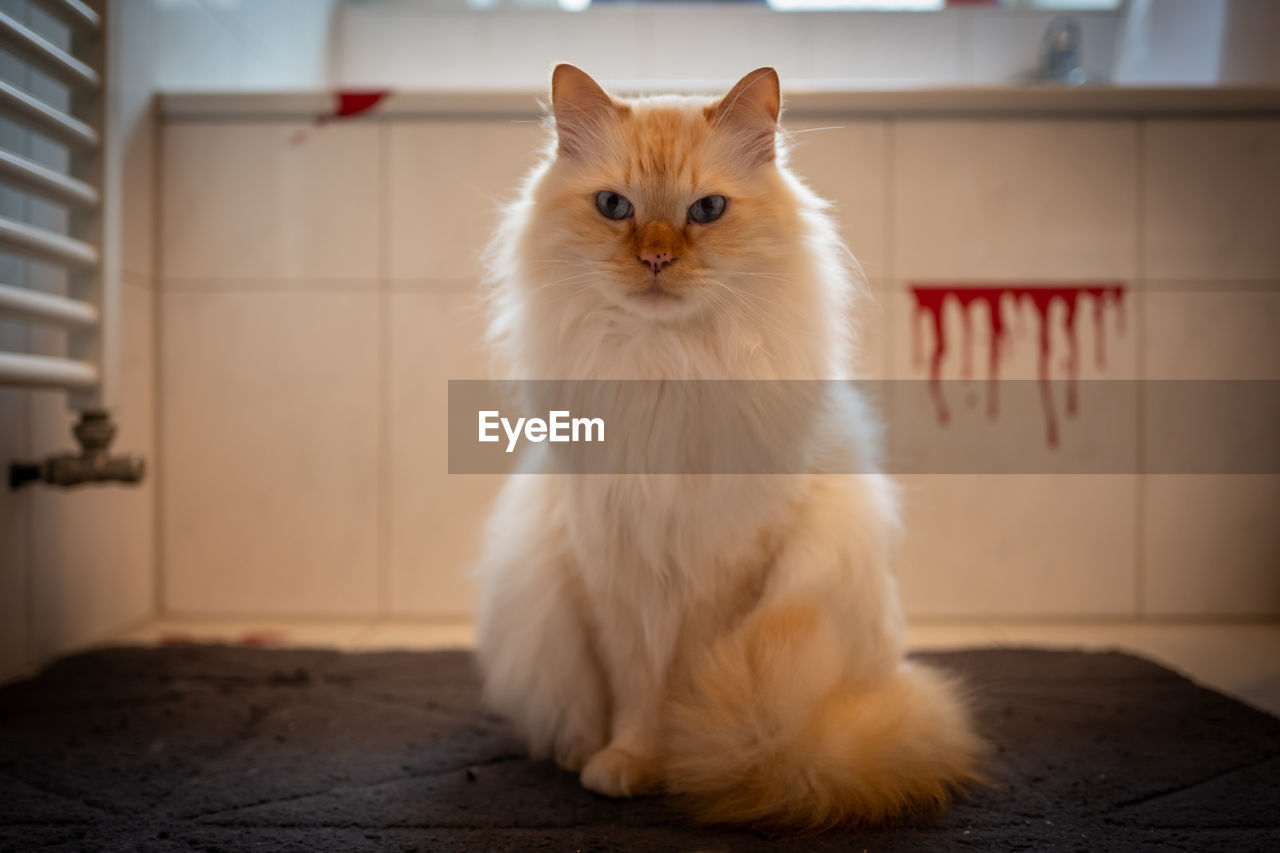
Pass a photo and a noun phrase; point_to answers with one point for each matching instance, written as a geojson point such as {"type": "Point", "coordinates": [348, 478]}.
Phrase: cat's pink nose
{"type": "Point", "coordinates": [655, 261]}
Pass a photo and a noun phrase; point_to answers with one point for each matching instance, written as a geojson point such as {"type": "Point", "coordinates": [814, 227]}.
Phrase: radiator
{"type": "Point", "coordinates": [57, 49]}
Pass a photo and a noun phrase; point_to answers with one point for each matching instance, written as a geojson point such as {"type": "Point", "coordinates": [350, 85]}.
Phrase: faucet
{"type": "Point", "coordinates": [93, 464]}
{"type": "Point", "coordinates": [1060, 53]}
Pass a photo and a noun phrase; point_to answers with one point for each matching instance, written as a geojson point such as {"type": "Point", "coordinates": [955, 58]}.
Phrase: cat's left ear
{"type": "Point", "coordinates": [581, 108]}
{"type": "Point", "coordinates": [750, 112]}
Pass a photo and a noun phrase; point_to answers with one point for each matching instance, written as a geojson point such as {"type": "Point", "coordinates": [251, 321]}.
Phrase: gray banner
{"type": "Point", "coordinates": [782, 427]}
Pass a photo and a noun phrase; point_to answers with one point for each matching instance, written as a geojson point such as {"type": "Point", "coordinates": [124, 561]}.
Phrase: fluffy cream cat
{"type": "Point", "coordinates": [733, 640]}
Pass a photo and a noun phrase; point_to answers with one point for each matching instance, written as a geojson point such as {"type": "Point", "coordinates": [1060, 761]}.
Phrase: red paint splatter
{"type": "Point", "coordinates": [930, 300]}
{"type": "Point", "coordinates": [353, 103]}
{"type": "Point", "coordinates": [347, 104]}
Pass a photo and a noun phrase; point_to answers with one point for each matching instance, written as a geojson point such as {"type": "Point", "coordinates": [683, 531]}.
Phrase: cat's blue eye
{"type": "Point", "coordinates": [707, 209]}
{"type": "Point", "coordinates": [613, 205]}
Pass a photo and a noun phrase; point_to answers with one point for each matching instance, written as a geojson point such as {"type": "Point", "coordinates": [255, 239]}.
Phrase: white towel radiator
{"type": "Point", "coordinates": [54, 153]}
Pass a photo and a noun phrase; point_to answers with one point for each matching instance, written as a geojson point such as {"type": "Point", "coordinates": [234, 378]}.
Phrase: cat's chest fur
{"type": "Point", "coordinates": [683, 409]}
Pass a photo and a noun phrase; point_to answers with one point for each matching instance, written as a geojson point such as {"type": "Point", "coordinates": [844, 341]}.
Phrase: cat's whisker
{"type": "Point", "coordinates": [746, 294]}
{"type": "Point", "coordinates": [790, 132]}
{"type": "Point", "coordinates": [753, 313]}
{"type": "Point", "coordinates": [557, 282]}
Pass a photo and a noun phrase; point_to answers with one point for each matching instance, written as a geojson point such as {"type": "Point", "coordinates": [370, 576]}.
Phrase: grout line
{"type": "Point", "coordinates": [1097, 620]}
{"type": "Point", "coordinates": [158, 292]}
{"type": "Point", "coordinates": [383, 419]}
{"type": "Point", "coordinates": [889, 259]}
{"type": "Point", "coordinates": [887, 250]}
{"type": "Point", "coordinates": [1138, 323]}
{"type": "Point", "coordinates": [311, 284]}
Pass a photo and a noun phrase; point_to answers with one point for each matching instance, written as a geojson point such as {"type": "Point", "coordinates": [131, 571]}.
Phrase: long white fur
{"type": "Point", "coordinates": [612, 608]}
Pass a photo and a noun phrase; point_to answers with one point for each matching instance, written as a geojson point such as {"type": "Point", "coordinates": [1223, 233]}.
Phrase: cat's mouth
{"type": "Point", "coordinates": [655, 293]}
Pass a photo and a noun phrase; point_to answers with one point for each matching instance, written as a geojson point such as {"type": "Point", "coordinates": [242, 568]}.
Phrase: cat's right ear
{"type": "Point", "coordinates": [581, 108]}
{"type": "Point", "coordinates": [750, 113]}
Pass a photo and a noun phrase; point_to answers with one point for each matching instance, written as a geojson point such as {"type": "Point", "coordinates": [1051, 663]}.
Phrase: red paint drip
{"type": "Point", "coordinates": [930, 300]}
{"type": "Point", "coordinates": [353, 103]}
{"type": "Point", "coordinates": [347, 104]}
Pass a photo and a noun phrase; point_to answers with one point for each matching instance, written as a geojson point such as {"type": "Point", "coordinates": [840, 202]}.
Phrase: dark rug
{"type": "Point", "coordinates": [209, 748]}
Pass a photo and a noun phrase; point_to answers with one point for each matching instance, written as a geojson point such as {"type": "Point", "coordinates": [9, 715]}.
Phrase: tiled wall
{"type": "Point", "coordinates": [413, 44]}
{"type": "Point", "coordinates": [240, 46]}
{"type": "Point", "coordinates": [318, 290]}
{"type": "Point", "coordinates": [78, 565]}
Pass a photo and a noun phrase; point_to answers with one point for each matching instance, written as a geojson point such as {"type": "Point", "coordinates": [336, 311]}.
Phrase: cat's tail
{"type": "Point", "coordinates": [771, 732]}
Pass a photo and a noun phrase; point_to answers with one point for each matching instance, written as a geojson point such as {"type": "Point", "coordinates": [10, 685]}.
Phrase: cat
{"type": "Point", "coordinates": [734, 641]}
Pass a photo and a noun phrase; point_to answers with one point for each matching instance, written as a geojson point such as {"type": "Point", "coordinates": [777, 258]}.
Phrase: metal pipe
{"type": "Point", "coordinates": [45, 118]}
{"type": "Point", "coordinates": [31, 176]}
{"type": "Point", "coordinates": [46, 307]}
{"type": "Point", "coordinates": [46, 371]}
{"type": "Point", "coordinates": [74, 12]}
{"type": "Point", "coordinates": [94, 464]}
{"type": "Point", "coordinates": [45, 55]}
{"type": "Point", "coordinates": [46, 245]}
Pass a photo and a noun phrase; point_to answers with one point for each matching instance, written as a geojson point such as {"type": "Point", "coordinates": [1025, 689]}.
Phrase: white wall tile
{"type": "Point", "coordinates": [92, 547]}
{"type": "Point", "coordinates": [996, 199]}
{"type": "Point", "coordinates": [887, 47]}
{"type": "Point", "coordinates": [1212, 200]}
{"type": "Point", "coordinates": [436, 518]}
{"type": "Point", "coordinates": [443, 206]}
{"type": "Point", "coordinates": [681, 49]}
{"type": "Point", "coordinates": [1199, 417]}
{"type": "Point", "coordinates": [1212, 545]}
{"type": "Point", "coordinates": [270, 452]}
{"type": "Point", "coordinates": [270, 200]}
{"type": "Point", "coordinates": [416, 46]}
{"type": "Point", "coordinates": [92, 562]}
{"type": "Point", "coordinates": [243, 45]}
{"type": "Point", "coordinates": [1211, 330]}
{"type": "Point", "coordinates": [609, 44]}
{"type": "Point", "coordinates": [1019, 545]}
{"type": "Point", "coordinates": [408, 46]}
{"type": "Point", "coordinates": [1210, 336]}
{"type": "Point", "coordinates": [198, 48]}
{"type": "Point", "coordinates": [846, 162]}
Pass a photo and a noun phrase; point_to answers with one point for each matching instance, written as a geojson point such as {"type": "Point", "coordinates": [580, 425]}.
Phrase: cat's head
{"type": "Point", "coordinates": [664, 206]}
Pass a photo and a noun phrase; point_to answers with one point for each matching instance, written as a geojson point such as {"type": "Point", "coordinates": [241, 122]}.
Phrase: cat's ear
{"type": "Point", "coordinates": [750, 112]}
{"type": "Point", "coordinates": [580, 106]}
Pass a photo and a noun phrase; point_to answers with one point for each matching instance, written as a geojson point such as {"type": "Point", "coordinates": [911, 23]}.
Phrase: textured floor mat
{"type": "Point", "coordinates": [208, 748]}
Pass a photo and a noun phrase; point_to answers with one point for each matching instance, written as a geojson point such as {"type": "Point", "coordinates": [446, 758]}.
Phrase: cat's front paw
{"type": "Point", "coordinates": [615, 772]}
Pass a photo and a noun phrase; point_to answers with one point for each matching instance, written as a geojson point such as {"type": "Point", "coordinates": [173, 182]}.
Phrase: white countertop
{"type": "Point", "coordinates": [1024, 101]}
